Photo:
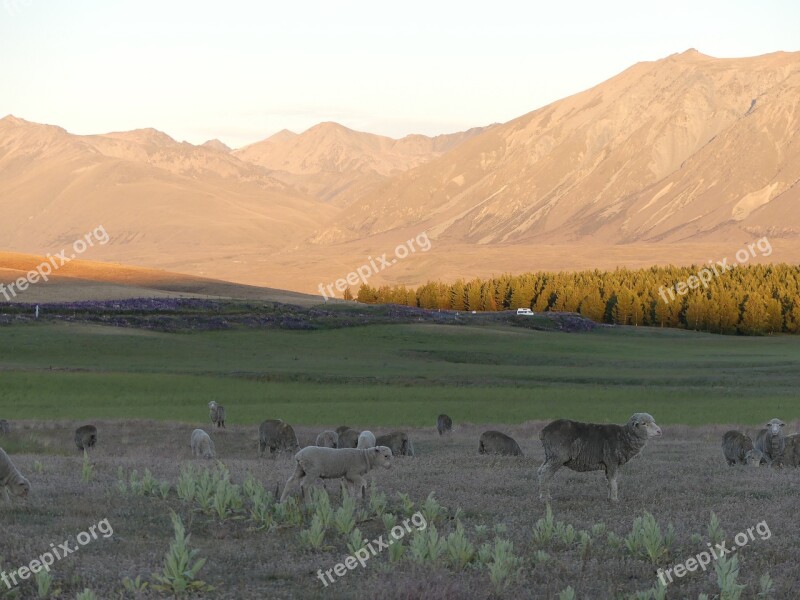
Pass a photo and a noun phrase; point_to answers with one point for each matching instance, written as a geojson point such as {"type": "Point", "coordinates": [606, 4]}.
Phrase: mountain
{"type": "Point", "coordinates": [161, 201]}
{"type": "Point", "coordinates": [216, 145]}
{"type": "Point", "coordinates": [680, 160]}
{"type": "Point", "coordinates": [685, 149]}
{"type": "Point", "coordinates": [333, 162]}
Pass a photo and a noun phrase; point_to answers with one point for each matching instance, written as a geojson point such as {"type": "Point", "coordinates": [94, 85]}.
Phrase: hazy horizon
{"type": "Point", "coordinates": [241, 74]}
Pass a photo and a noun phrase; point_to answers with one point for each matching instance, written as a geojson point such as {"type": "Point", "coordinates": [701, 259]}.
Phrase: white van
{"type": "Point", "coordinates": [525, 311]}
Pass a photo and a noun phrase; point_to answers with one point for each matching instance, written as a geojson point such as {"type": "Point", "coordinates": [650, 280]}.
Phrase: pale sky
{"type": "Point", "coordinates": [240, 71]}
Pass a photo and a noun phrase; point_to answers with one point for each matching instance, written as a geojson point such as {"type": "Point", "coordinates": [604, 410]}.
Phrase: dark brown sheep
{"type": "Point", "coordinates": [444, 424]}
{"type": "Point", "coordinates": [398, 442]}
{"type": "Point", "coordinates": [770, 440]}
{"type": "Point", "coordinates": [790, 457]}
{"type": "Point", "coordinates": [277, 436]}
{"type": "Point", "coordinates": [593, 447]}
{"type": "Point", "coordinates": [348, 438]}
{"type": "Point", "coordinates": [738, 449]}
{"type": "Point", "coordinates": [496, 442]}
{"type": "Point", "coordinates": [328, 439]}
{"type": "Point", "coordinates": [85, 437]}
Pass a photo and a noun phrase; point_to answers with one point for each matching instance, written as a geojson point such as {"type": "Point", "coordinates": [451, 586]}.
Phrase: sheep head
{"type": "Point", "coordinates": [753, 457]}
{"type": "Point", "coordinates": [212, 405]}
{"type": "Point", "coordinates": [383, 456]}
{"type": "Point", "coordinates": [21, 488]}
{"type": "Point", "coordinates": [644, 425]}
{"type": "Point", "coordinates": [774, 426]}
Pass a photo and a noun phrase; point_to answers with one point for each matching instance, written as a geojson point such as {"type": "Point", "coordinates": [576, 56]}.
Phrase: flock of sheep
{"type": "Point", "coordinates": [349, 455]}
{"type": "Point", "coordinates": [770, 448]}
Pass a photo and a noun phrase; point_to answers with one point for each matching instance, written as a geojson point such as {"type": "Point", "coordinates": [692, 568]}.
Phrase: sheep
{"type": "Point", "coordinates": [348, 438]}
{"type": "Point", "coordinates": [398, 442]}
{"type": "Point", "coordinates": [738, 449]}
{"type": "Point", "coordinates": [202, 444]}
{"type": "Point", "coordinates": [495, 442]}
{"type": "Point", "coordinates": [790, 457]}
{"type": "Point", "coordinates": [334, 463]}
{"type": "Point", "coordinates": [366, 439]}
{"type": "Point", "coordinates": [276, 435]}
{"type": "Point", "coordinates": [217, 414]}
{"type": "Point", "coordinates": [11, 480]}
{"type": "Point", "coordinates": [770, 441]}
{"type": "Point", "coordinates": [5, 427]}
{"type": "Point", "coordinates": [328, 439]}
{"type": "Point", "coordinates": [593, 447]}
{"type": "Point", "coordinates": [85, 437]}
{"type": "Point", "coordinates": [444, 424]}
{"type": "Point", "coordinates": [754, 458]}
{"type": "Point", "coordinates": [342, 428]}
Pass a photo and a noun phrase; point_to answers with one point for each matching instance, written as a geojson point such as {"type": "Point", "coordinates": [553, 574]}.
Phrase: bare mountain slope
{"type": "Point", "coordinates": [161, 201]}
{"type": "Point", "coordinates": [333, 162]}
{"type": "Point", "coordinates": [682, 149]}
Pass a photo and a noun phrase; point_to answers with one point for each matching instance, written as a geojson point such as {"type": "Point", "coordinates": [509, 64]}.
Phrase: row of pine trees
{"type": "Point", "coordinates": [751, 300]}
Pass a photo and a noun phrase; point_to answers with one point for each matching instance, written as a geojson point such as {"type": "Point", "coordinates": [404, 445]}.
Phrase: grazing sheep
{"type": "Point", "coordinates": [770, 440]}
{"type": "Point", "coordinates": [398, 442]}
{"type": "Point", "coordinates": [738, 449]}
{"type": "Point", "coordinates": [202, 445]}
{"type": "Point", "coordinates": [334, 463]}
{"type": "Point", "coordinates": [593, 447]}
{"type": "Point", "coordinates": [5, 427]}
{"type": "Point", "coordinates": [444, 424]}
{"type": "Point", "coordinates": [217, 414]}
{"type": "Point", "coordinates": [754, 458]}
{"type": "Point", "coordinates": [366, 439]}
{"type": "Point", "coordinates": [790, 457]}
{"type": "Point", "coordinates": [495, 442]}
{"type": "Point", "coordinates": [328, 439]}
{"type": "Point", "coordinates": [277, 436]}
{"type": "Point", "coordinates": [348, 438]}
{"type": "Point", "coordinates": [85, 437]}
{"type": "Point", "coordinates": [11, 480]}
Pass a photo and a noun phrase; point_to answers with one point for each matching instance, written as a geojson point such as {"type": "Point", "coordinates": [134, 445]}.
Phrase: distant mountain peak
{"type": "Point", "coordinates": [215, 144]}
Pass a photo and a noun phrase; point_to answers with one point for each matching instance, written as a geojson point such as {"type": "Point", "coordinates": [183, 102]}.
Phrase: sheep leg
{"type": "Point", "coordinates": [5, 494]}
{"type": "Point", "coordinates": [611, 476]}
{"type": "Point", "coordinates": [546, 472]}
{"type": "Point", "coordinates": [359, 486]}
{"type": "Point", "coordinates": [295, 480]}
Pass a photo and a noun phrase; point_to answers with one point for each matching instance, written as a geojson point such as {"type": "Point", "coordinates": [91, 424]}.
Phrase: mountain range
{"type": "Point", "coordinates": [680, 160]}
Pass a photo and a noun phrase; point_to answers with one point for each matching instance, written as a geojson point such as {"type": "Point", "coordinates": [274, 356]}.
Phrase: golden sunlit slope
{"type": "Point", "coordinates": [160, 201]}
{"type": "Point", "coordinates": [90, 280]}
{"type": "Point", "coordinates": [685, 149]}
{"type": "Point", "coordinates": [333, 162]}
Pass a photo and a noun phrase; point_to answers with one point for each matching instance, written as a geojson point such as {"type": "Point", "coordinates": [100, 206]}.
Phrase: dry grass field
{"type": "Point", "coordinates": [680, 479]}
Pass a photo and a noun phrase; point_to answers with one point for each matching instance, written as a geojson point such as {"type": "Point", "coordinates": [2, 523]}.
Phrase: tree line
{"type": "Point", "coordinates": [749, 300]}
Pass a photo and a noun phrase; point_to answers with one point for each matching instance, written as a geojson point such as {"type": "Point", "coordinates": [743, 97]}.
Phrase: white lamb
{"type": "Point", "coordinates": [366, 440]}
{"type": "Point", "coordinates": [11, 480]}
{"type": "Point", "coordinates": [202, 445]}
{"type": "Point", "coordinates": [333, 463]}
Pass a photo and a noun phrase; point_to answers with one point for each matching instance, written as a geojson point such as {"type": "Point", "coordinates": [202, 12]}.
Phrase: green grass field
{"type": "Point", "coordinates": [387, 375]}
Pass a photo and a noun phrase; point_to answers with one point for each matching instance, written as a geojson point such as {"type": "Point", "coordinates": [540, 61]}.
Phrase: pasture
{"type": "Point", "coordinates": [146, 390]}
